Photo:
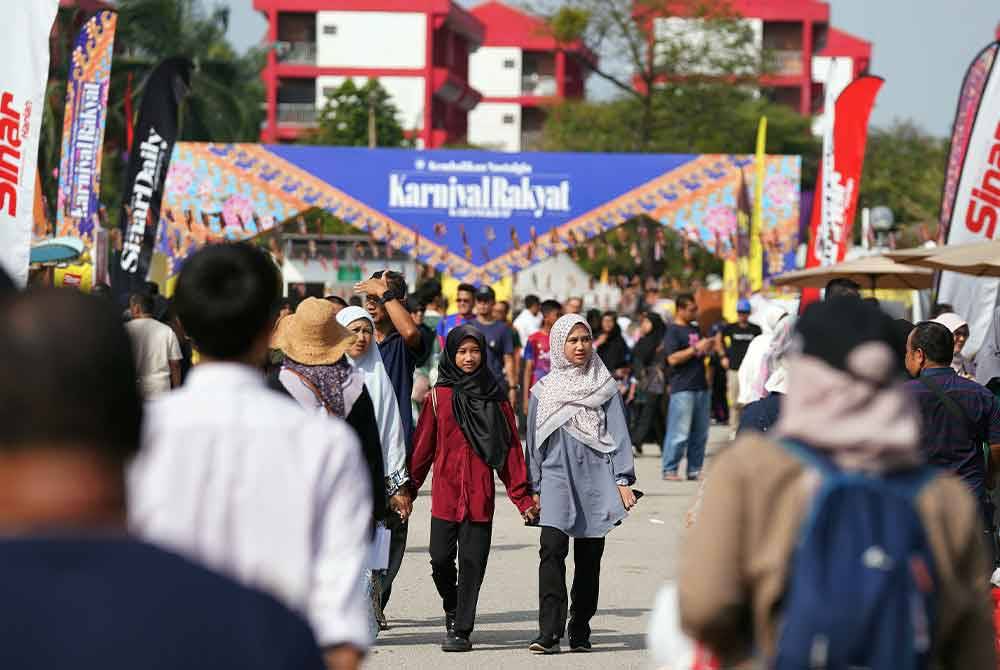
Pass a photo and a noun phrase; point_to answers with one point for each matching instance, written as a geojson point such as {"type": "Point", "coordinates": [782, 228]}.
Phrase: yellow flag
{"type": "Point", "coordinates": [730, 289]}
{"type": "Point", "coordinates": [757, 221]}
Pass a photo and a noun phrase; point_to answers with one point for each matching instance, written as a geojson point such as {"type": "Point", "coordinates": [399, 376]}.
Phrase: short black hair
{"type": "Point", "coordinates": [414, 304]}
{"type": "Point", "coordinates": [336, 300]}
{"type": "Point", "coordinates": [832, 329]}
{"type": "Point", "coordinates": [466, 288]}
{"type": "Point", "coordinates": [530, 301]}
{"type": "Point", "coordinates": [935, 340]}
{"type": "Point", "coordinates": [549, 306]}
{"type": "Point", "coordinates": [395, 280]}
{"type": "Point", "coordinates": [840, 287]}
{"type": "Point", "coordinates": [355, 301]}
{"type": "Point", "coordinates": [62, 344]}
{"type": "Point", "coordinates": [144, 301]}
{"type": "Point", "coordinates": [683, 300]}
{"type": "Point", "coordinates": [226, 297]}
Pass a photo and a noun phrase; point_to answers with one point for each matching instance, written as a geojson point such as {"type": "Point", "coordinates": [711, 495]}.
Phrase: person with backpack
{"type": "Point", "coordinates": [834, 545]}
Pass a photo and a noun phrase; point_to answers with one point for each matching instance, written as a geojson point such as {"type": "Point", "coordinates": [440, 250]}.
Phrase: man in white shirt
{"type": "Point", "coordinates": [155, 346]}
{"type": "Point", "coordinates": [529, 321]}
{"type": "Point", "coordinates": [244, 479]}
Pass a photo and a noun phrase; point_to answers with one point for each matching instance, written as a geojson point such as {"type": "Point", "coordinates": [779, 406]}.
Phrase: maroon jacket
{"type": "Point", "coordinates": [463, 486]}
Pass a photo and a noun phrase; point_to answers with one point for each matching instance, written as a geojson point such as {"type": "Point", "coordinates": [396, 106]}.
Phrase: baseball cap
{"type": "Point", "coordinates": [485, 293]}
{"type": "Point", "coordinates": [743, 306]}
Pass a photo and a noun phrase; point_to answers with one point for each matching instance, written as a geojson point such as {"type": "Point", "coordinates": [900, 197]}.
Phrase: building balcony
{"type": "Point", "coordinates": [539, 85]}
{"type": "Point", "coordinates": [787, 63]}
{"type": "Point", "coordinates": [296, 53]}
{"type": "Point", "coordinates": [299, 113]}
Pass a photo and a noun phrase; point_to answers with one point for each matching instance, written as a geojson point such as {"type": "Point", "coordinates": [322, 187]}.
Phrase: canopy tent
{"type": "Point", "coordinates": [872, 272]}
{"type": "Point", "coordinates": [56, 250]}
{"type": "Point", "coordinates": [981, 259]}
{"type": "Point", "coordinates": [475, 215]}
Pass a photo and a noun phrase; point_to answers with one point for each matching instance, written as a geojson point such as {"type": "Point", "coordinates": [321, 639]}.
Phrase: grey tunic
{"type": "Point", "coordinates": [577, 484]}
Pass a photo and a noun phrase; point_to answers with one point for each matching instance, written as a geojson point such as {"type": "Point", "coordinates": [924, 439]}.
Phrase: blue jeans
{"type": "Point", "coordinates": [687, 431]}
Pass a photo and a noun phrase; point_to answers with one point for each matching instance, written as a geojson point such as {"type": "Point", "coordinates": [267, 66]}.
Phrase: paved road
{"type": "Point", "coordinates": [639, 556]}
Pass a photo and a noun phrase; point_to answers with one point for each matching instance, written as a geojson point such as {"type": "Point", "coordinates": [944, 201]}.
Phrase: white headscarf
{"type": "Point", "coordinates": [953, 322]}
{"type": "Point", "coordinates": [390, 425]}
{"type": "Point", "coordinates": [753, 374]}
{"type": "Point", "coordinates": [573, 397]}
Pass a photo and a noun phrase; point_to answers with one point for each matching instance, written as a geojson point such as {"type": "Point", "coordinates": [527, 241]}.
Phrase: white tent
{"type": "Point", "coordinates": [559, 277]}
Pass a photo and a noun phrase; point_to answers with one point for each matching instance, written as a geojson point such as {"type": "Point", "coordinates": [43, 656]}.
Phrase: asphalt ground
{"type": "Point", "coordinates": [639, 556]}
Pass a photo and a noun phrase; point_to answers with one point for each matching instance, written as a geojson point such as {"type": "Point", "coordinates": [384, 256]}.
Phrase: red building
{"type": "Point", "coordinates": [801, 42]}
{"type": "Point", "coordinates": [520, 68]}
{"type": "Point", "coordinates": [417, 49]}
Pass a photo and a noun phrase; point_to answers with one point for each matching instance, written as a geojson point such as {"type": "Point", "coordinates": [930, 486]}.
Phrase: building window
{"type": "Point", "coordinates": [328, 91]}
{"type": "Point", "coordinates": [509, 64]}
{"type": "Point", "coordinates": [508, 119]}
{"type": "Point", "coordinates": [330, 30]}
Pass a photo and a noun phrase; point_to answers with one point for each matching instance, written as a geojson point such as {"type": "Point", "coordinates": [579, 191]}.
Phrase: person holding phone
{"type": "Point", "coordinates": [580, 465]}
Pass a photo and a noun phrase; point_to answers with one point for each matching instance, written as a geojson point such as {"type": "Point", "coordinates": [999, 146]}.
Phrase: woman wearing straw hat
{"type": "Point", "coordinates": [319, 376]}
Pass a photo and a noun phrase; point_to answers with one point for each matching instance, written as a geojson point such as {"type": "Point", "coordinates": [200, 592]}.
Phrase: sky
{"type": "Point", "coordinates": [921, 47]}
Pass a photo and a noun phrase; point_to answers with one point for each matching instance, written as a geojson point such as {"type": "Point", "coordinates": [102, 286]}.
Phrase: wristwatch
{"type": "Point", "coordinates": [390, 295]}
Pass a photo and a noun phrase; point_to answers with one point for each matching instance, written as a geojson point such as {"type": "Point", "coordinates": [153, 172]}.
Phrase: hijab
{"type": "Point", "coordinates": [845, 395]}
{"type": "Point", "coordinates": [387, 417]}
{"type": "Point", "coordinates": [614, 351]}
{"type": "Point", "coordinates": [573, 397]}
{"type": "Point", "coordinates": [476, 399]}
{"type": "Point", "coordinates": [338, 385]}
{"type": "Point", "coordinates": [645, 349]}
{"type": "Point", "coordinates": [775, 367]}
{"type": "Point", "coordinates": [754, 371]}
{"type": "Point", "coordinates": [953, 322]}
{"type": "Point", "coordinates": [988, 358]}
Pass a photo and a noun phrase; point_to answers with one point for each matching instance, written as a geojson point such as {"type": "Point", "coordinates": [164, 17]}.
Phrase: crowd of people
{"type": "Point", "coordinates": [244, 433]}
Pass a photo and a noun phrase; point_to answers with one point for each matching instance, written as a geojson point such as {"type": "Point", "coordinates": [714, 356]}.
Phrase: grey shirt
{"type": "Point", "coordinates": [577, 484]}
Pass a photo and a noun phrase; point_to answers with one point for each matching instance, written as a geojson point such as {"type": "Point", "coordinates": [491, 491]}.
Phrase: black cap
{"type": "Point", "coordinates": [485, 293]}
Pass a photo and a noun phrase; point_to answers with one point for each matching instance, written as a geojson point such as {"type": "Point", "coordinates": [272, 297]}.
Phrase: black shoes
{"type": "Point", "coordinates": [456, 642]}
{"type": "Point", "coordinates": [542, 645]}
{"type": "Point", "coordinates": [580, 646]}
{"type": "Point", "coordinates": [449, 621]}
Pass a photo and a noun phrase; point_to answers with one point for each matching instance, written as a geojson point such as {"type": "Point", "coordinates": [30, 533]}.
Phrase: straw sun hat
{"type": "Point", "coordinates": [311, 335]}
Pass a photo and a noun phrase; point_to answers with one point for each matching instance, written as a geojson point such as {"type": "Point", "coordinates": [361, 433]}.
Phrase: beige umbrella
{"type": "Point", "coordinates": [981, 259]}
{"type": "Point", "coordinates": [872, 272]}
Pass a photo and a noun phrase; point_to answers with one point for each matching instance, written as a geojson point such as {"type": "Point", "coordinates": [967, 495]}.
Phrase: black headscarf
{"type": "Point", "coordinates": [476, 400]}
{"type": "Point", "coordinates": [614, 352]}
{"type": "Point", "coordinates": [646, 347]}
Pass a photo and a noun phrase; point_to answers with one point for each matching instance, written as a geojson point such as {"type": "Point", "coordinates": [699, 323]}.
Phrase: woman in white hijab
{"type": "Point", "coordinates": [753, 371]}
{"type": "Point", "coordinates": [364, 355]}
{"type": "Point", "coordinates": [580, 463]}
{"type": "Point", "coordinates": [959, 328]}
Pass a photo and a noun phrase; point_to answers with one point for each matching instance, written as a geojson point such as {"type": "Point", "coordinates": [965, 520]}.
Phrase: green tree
{"type": "Point", "coordinates": [347, 117]}
{"type": "Point", "coordinates": [904, 171]}
{"type": "Point", "coordinates": [646, 51]}
{"type": "Point", "coordinates": [689, 118]}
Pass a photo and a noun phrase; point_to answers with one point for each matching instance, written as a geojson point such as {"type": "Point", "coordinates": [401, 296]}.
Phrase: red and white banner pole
{"type": "Point", "coordinates": [970, 206]}
{"type": "Point", "coordinates": [24, 73]}
{"type": "Point", "coordinates": [840, 176]}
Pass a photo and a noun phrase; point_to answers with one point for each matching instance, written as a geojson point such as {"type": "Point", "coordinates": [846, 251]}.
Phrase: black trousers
{"type": "Point", "coordinates": [649, 421]}
{"type": "Point", "coordinates": [459, 588]}
{"type": "Point", "coordinates": [552, 601]}
{"type": "Point", "coordinates": [397, 548]}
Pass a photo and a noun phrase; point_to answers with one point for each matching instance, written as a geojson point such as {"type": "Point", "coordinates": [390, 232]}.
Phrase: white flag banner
{"type": "Point", "coordinates": [24, 72]}
{"type": "Point", "coordinates": [975, 216]}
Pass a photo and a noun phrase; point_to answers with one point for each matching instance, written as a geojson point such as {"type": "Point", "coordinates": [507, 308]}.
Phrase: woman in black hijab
{"type": "Point", "coordinates": [466, 431]}
{"type": "Point", "coordinates": [611, 346]}
{"type": "Point", "coordinates": [651, 383]}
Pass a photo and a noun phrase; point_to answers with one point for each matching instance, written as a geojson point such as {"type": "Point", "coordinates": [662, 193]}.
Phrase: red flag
{"type": "Point", "coordinates": [839, 178]}
{"type": "Point", "coordinates": [129, 131]}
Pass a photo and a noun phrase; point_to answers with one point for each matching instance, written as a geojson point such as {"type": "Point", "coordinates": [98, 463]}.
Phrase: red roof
{"type": "Point", "coordinates": [840, 43]}
{"type": "Point", "coordinates": [86, 5]}
{"type": "Point", "coordinates": [783, 10]}
{"type": "Point", "coordinates": [507, 26]}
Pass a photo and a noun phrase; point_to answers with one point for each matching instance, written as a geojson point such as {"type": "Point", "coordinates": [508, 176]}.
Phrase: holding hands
{"type": "Point", "coordinates": [402, 504]}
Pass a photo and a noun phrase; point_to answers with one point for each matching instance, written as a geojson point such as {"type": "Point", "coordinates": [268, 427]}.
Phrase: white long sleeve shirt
{"type": "Point", "coordinates": [244, 480]}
